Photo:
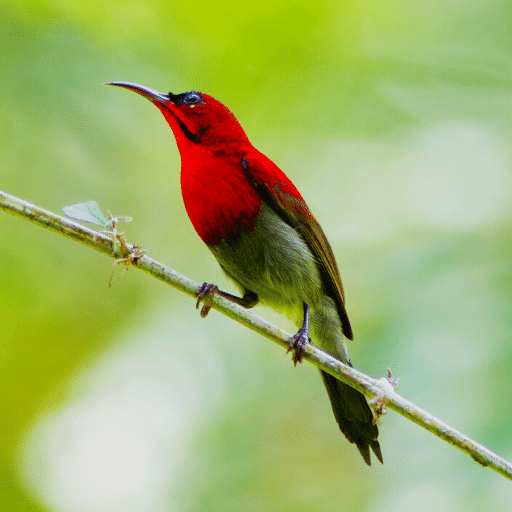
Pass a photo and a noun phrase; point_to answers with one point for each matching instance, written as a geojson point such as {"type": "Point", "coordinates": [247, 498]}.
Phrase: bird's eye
{"type": "Point", "coordinates": [192, 98]}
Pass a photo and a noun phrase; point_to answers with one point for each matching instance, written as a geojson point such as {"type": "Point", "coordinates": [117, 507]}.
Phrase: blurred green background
{"type": "Point", "coordinates": [392, 118]}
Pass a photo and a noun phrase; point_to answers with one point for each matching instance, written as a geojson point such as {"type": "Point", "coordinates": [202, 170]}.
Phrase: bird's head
{"type": "Point", "coordinates": [194, 116]}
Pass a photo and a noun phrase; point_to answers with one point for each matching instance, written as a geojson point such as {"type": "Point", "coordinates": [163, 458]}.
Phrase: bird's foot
{"type": "Point", "coordinates": [205, 294]}
{"type": "Point", "coordinates": [378, 403]}
{"type": "Point", "coordinates": [298, 344]}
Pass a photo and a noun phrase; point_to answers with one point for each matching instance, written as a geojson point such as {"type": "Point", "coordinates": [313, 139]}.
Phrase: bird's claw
{"type": "Point", "coordinates": [205, 293]}
{"type": "Point", "coordinates": [297, 345]}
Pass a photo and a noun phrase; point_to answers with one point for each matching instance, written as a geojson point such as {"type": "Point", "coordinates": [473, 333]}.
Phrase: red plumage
{"type": "Point", "coordinates": [218, 194]}
{"type": "Point", "coordinates": [262, 233]}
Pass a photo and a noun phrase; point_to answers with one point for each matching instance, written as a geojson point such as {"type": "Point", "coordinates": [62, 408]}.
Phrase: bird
{"type": "Point", "coordinates": [266, 240]}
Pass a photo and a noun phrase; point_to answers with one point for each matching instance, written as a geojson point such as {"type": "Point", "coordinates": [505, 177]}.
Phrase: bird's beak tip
{"type": "Point", "coordinates": [121, 84]}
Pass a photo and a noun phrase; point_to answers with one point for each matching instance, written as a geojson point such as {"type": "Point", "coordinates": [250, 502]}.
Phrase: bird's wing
{"type": "Point", "coordinates": [280, 193]}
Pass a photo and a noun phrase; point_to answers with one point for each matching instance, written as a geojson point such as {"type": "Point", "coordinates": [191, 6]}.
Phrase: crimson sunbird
{"type": "Point", "coordinates": [266, 240]}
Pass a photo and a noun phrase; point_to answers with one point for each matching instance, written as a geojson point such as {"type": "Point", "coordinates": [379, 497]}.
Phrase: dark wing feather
{"type": "Point", "coordinates": [279, 192]}
{"type": "Point", "coordinates": [351, 410]}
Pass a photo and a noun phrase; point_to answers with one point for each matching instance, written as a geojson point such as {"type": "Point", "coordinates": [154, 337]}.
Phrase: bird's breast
{"type": "Point", "coordinates": [220, 201]}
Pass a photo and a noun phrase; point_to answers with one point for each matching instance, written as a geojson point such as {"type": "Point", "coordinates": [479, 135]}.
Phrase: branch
{"type": "Point", "coordinates": [381, 392]}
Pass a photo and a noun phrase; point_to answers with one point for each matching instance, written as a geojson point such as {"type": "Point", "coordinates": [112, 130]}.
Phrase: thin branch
{"type": "Point", "coordinates": [381, 392]}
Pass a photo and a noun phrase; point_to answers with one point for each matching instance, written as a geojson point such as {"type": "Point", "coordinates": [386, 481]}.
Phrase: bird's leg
{"type": "Point", "coordinates": [299, 342]}
{"type": "Point", "coordinates": [249, 300]}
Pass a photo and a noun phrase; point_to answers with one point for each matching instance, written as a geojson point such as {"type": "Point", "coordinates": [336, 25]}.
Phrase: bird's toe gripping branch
{"type": "Point", "coordinates": [299, 341]}
{"type": "Point", "coordinates": [207, 291]}
{"type": "Point", "coordinates": [205, 294]}
{"type": "Point", "coordinates": [298, 346]}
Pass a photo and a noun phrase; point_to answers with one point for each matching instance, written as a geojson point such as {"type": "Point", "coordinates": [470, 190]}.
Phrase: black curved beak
{"type": "Point", "coordinates": [148, 93]}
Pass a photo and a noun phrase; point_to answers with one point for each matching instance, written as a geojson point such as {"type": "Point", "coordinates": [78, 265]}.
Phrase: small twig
{"type": "Point", "coordinates": [381, 392]}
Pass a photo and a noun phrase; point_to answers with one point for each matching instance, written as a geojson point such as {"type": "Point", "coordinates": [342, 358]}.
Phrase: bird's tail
{"type": "Point", "coordinates": [354, 417]}
{"type": "Point", "coordinates": [350, 407]}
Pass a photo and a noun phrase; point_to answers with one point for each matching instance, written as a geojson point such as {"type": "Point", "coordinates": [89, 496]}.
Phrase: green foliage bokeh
{"type": "Point", "coordinates": [392, 118]}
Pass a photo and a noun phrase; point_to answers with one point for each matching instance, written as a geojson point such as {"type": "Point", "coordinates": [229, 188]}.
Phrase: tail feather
{"type": "Point", "coordinates": [354, 417]}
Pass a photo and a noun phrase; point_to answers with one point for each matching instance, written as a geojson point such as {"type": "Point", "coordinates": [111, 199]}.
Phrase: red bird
{"type": "Point", "coordinates": [260, 230]}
